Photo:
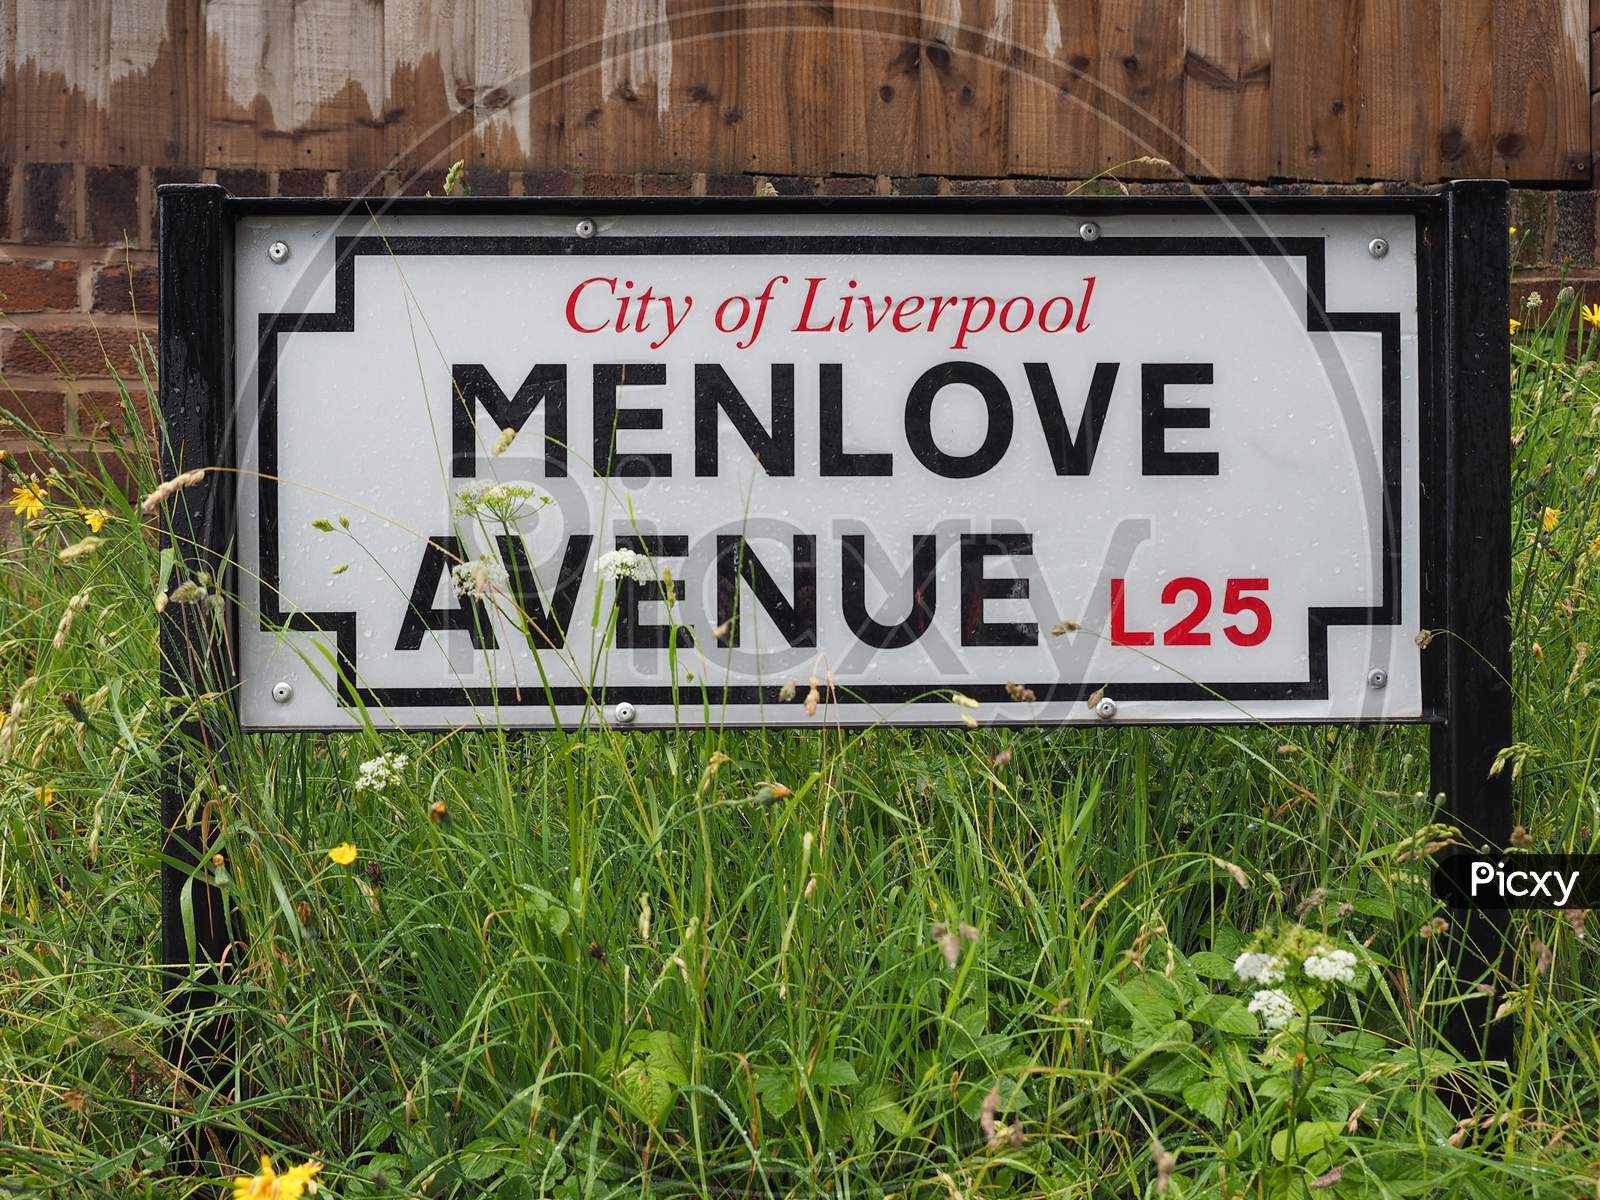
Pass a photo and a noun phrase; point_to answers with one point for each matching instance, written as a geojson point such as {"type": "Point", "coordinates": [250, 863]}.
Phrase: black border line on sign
{"type": "Point", "coordinates": [343, 625]}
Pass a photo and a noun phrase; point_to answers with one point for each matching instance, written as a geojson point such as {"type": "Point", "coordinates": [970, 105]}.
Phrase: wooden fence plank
{"type": "Point", "coordinates": [964, 86]}
{"type": "Point", "coordinates": [1227, 91]}
{"type": "Point", "coordinates": [1314, 88]}
{"type": "Point", "coordinates": [788, 100]}
{"type": "Point", "coordinates": [1055, 126]}
{"type": "Point", "coordinates": [1466, 43]}
{"type": "Point", "coordinates": [878, 58]}
{"type": "Point", "coordinates": [428, 70]}
{"type": "Point", "coordinates": [502, 68]}
{"type": "Point", "coordinates": [618, 84]}
{"type": "Point", "coordinates": [701, 128]}
{"type": "Point", "coordinates": [1399, 93]}
{"type": "Point", "coordinates": [1541, 110]}
{"type": "Point", "coordinates": [1141, 65]}
{"type": "Point", "coordinates": [294, 85]}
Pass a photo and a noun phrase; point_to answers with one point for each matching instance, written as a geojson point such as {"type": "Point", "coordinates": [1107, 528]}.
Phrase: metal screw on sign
{"type": "Point", "coordinates": [282, 692]}
{"type": "Point", "coordinates": [1089, 231]}
{"type": "Point", "coordinates": [1378, 247]}
{"type": "Point", "coordinates": [1105, 708]}
{"type": "Point", "coordinates": [1377, 678]}
{"type": "Point", "coordinates": [278, 252]}
{"type": "Point", "coordinates": [625, 713]}
{"type": "Point", "coordinates": [586, 229]}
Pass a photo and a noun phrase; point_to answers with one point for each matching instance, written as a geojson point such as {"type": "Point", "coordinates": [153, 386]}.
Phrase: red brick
{"type": "Point", "coordinates": [487, 181]}
{"type": "Point", "coordinates": [161, 175]}
{"type": "Point", "coordinates": [793, 185]}
{"type": "Point", "coordinates": [36, 409]}
{"type": "Point", "coordinates": [302, 182]}
{"type": "Point", "coordinates": [244, 181]}
{"type": "Point", "coordinates": [422, 183]}
{"type": "Point", "coordinates": [549, 183]}
{"type": "Point", "coordinates": [603, 184]}
{"type": "Point", "coordinates": [38, 285]}
{"type": "Point", "coordinates": [111, 197]}
{"type": "Point", "coordinates": [98, 464]}
{"type": "Point", "coordinates": [100, 413]}
{"type": "Point", "coordinates": [666, 185]}
{"type": "Point", "coordinates": [47, 202]}
{"type": "Point", "coordinates": [6, 174]}
{"type": "Point", "coordinates": [76, 352]}
{"type": "Point", "coordinates": [849, 185]}
{"type": "Point", "coordinates": [978, 187]}
{"type": "Point", "coordinates": [730, 185]}
{"type": "Point", "coordinates": [114, 293]}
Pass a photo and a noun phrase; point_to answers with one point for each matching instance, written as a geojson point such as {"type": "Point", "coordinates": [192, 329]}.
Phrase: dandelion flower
{"type": "Point", "coordinates": [1259, 968]}
{"type": "Point", "coordinates": [1551, 518]}
{"type": "Point", "coordinates": [94, 518]}
{"type": "Point", "coordinates": [1331, 966]}
{"type": "Point", "coordinates": [376, 774]}
{"type": "Point", "coordinates": [27, 501]}
{"type": "Point", "coordinates": [1511, 231]}
{"type": "Point", "coordinates": [343, 854]}
{"type": "Point", "coordinates": [267, 1184]}
{"type": "Point", "coordinates": [1591, 315]}
{"type": "Point", "coordinates": [1515, 325]}
{"type": "Point", "coordinates": [619, 564]}
{"type": "Point", "coordinates": [1273, 1007]}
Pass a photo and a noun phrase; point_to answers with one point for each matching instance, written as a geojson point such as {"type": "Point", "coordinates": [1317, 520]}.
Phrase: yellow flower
{"type": "Point", "coordinates": [267, 1184]}
{"type": "Point", "coordinates": [1552, 518]}
{"type": "Point", "coordinates": [344, 853]}
{"type": "Point", "coordinates": [94, 518]}
{"type": "Point", "coordinates": [1594, 546]}
{"type": "Point", "coordinates": [27, 501]}
{"type": "Point", "coordinates": [1512, 231]}
{"type": "Point", "coordinates": [1515, 325]}
{"type": "Point", "coordinates": [47, 796]}
{"type": "Point", "coordinates": [1591, 315]}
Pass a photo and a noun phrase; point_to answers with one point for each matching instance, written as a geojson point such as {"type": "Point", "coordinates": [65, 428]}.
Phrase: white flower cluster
{"type": "Point", "coordinates": [499, 501]}
{"type": "Point", "coordinates": [1331, 966]}
{"type": "Point", "coordinates": [378, 773]}
{"type": "Point", "coordinates": [1273, 1007]}
{"type": "Point", "coordinates": [619, 564]}
{"type": "Point", "coordinates": [478, 577]}
{"type": "Point", "coordinates": [1259, 968]}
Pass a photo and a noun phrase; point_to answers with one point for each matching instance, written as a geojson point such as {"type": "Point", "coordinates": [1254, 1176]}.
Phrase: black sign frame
{"type": "Point", "coordinates": [1465, 485]}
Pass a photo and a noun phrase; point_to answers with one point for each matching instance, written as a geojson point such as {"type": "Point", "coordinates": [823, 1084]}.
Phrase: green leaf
{"type": "Point", "coordinates": [647, 1073]}
{"type": "Point", "coordinates": [777, 1090]}
{"type": "Point", "coordinates": [485, 1157]}
{"type": "Point", "coordinates": [830, 1073]}
{"type": "Point", "coordinates": [1309, 1137]}
{"type": "Point", "coordinates": [544, 910]}
{"type": "Point", "coordinates": [1211, 965]}
{"type": "Point", "coordinates": [882, 1107]}
{"type": "Point", "coordinates": [1209, 1098]}
{"type": "Point", "coordinates": [1226, 1014]}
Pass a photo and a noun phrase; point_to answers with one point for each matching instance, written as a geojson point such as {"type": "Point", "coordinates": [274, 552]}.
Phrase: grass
{"type": "Point", "coordinates": [899, 963]}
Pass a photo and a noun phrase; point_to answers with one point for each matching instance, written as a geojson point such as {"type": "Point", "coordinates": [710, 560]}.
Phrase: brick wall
{"type": "Point", "coordinates": [78, 275]}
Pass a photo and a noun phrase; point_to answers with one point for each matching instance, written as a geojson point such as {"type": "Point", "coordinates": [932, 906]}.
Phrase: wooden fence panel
{"type": "Point", "coordinates": [1246, 89]}
{"type": "Point", "coordinates": [1541, 81]}
{"type": "Point", "coordinates": [1227, 87]}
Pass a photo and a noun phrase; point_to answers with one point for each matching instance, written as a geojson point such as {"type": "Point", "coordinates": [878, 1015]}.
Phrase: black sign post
{"type": "Point", "coordinates": [197, 673]}
{"type": "Point", "coordinates": [1464, 518]}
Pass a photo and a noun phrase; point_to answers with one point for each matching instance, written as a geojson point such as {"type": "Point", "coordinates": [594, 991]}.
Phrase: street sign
{"type": "Point", "coordinates": [1153, 465]}
{"type": "Point", "coordinates": [450, 462]}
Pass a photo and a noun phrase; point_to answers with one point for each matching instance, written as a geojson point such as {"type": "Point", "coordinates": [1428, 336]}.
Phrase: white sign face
{"type": "Point", "coordinates": [920, 468]}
